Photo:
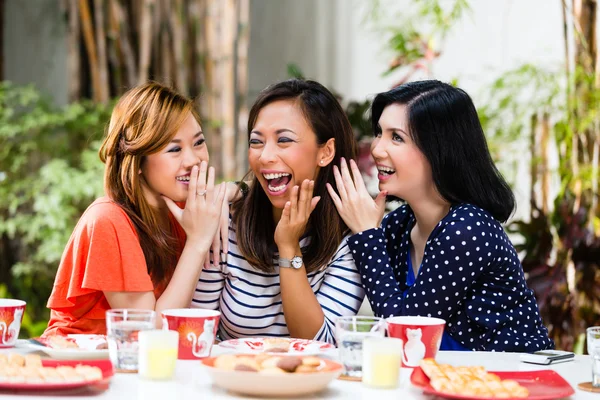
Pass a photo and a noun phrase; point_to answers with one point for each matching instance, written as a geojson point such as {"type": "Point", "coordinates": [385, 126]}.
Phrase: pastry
{"type": "Point", "coordinates": [276, 345]}
{"type": "Point", "coordinates": [470, 381]}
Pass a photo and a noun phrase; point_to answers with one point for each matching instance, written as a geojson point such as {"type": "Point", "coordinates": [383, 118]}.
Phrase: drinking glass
{"type": "Point", "coordinates": [382, 358]}
{"type": "Point", "coordinates": [157, 353]}
{"type": "Point", "coordinates": [122, 327]}
{"type": "Point", "coordinates": [350, 333]}
{"type": "Point", "coordinates": [593, 348]}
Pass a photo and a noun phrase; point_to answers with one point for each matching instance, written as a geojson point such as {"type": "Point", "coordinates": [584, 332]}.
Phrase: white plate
{"type": "Point", "coordinates": [267, 385]}
{"type": "Point", "coordinates": [297, 346]}
{"type": "Point", "coordinates": [86, 351]}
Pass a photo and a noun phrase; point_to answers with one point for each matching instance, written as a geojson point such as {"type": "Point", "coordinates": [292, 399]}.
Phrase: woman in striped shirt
{"type": "Point", "coordinates": [288, 270]}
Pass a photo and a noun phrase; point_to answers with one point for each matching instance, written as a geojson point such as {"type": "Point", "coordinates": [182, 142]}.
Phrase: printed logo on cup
{"type": "Point", "coordinates": [197, 330]}
{"type": "Point", "coordinates": [11, 316]}
{"type": "Point", "coordinates": [422, 337]}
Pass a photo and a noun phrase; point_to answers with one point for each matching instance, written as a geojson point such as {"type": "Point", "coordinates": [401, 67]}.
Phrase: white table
{"type": "Point", "coordinates": [191, 382]}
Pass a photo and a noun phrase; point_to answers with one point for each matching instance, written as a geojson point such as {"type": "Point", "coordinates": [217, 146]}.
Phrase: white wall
{"type": "Point", "coordinates": [332, 43]}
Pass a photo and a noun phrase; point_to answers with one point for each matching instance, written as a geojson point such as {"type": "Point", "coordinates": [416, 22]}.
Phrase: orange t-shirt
{"type": "Point", "coordinates": [103, 254]}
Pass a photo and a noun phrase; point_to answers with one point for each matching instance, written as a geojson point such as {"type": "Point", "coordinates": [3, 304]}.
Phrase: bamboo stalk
{"type": "Point", "coordinates": [90, 45]}
{"type": "Point", "coordinates": [544, 139]}
{"type": "Point", "coordinates": [533, 168]}
{"type": "Point", "coordinates": [227, 90]}
{"type": "Point", "coordinates": [73, 51]}
{"type": "Point", "coordinates": [145, 41]}
{"type": "Point", "coordinates": [243, 39]}
{"type": "Point", "coordinates": [179, 41]}
{"type": "Point", "coordinates": [101, 43]}
{"type": "Point", "coordinates": [166, 45]}
{"type": "Point", "coordinates": [126, 47]}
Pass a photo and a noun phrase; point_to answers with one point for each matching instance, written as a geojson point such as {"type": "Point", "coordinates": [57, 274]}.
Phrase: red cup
{"type": "Point", "coordinates": [421, 336]}
{"type": "Point", "coordinates": [11, 315]}
{"type": "Point", "coordinates": [197, 330]}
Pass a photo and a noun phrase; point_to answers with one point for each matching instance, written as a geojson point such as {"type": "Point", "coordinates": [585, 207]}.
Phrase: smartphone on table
{"type": "Point", "coordinates": [548, 357]}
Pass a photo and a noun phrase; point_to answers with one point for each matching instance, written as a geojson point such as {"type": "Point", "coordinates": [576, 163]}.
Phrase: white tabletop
{"type": "Point", "coordinates": [191, 381]}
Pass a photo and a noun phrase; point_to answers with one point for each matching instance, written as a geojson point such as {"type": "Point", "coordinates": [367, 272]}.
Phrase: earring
{"type": "Point", "coordinates": [321, 162]}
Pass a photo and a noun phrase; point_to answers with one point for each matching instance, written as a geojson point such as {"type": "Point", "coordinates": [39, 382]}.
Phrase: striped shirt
{"type": "Point", "coordinates": [250, 300]}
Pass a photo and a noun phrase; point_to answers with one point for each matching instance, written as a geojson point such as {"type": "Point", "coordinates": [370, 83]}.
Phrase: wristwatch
{"type": "Point", "coordinates": [295, 262]}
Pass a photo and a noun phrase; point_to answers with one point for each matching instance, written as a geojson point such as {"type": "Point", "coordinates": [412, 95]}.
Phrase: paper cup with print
{"type": "Point", "coordinates": [421, 336]}
{"type": "Point", "coordinates": [197, 330]}
{"type": "Point", "coordinates": [11, 316]}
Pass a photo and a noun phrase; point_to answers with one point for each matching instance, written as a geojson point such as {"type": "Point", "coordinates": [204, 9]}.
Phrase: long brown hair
{"type": "Point", "coordinates": [143, 122]}
{"type": "Point", "coordinates": [252, 215]}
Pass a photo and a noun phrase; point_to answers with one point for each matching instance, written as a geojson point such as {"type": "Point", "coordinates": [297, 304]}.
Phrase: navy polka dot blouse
{"type": "Point", "coordinates": [470, 276]}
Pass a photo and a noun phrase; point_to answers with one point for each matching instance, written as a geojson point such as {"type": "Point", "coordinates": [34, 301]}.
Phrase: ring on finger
{"type": "Point", "coordinates": [200, 192]}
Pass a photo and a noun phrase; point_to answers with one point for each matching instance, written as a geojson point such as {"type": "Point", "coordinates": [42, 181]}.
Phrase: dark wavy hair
{"type": "Point", "coordinates": [443, 123]}
{"type": "Point", "coordinates": [253, 216]}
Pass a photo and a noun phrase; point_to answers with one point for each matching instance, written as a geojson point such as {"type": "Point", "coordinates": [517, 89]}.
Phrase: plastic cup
{"type": "Point", "coordinates": [157, 354]}
{"type": "Point", "coordinates": [382, 358]}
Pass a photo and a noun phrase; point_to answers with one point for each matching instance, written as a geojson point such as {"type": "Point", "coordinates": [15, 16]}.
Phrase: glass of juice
{"type": "Point", "coordinates": [382, 358]}
{"type": "Point", "coordinates": [157, 354]}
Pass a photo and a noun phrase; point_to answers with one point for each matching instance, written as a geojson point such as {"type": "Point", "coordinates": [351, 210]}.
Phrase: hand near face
{"type": "Point", "coordinates": [294, 217]}
{"type": "Point", "coordinates": [354, 203]}
{"type": "Point", "coordinates": [203, 208]}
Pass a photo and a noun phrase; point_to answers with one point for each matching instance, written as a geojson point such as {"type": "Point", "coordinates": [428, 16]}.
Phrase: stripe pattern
{"type": "Point", "coordinates": [250, 300]}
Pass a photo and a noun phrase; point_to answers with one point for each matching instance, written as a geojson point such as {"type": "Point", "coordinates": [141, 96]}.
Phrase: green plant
{"type": "Point", "coordinates": [49, 173]}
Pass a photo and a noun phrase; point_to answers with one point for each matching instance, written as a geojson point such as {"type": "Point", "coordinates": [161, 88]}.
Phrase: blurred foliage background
{"type": "Point", "coordinates": [50, 171]}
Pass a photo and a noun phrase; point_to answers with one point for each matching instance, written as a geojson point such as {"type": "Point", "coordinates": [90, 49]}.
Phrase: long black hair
{"type": "Point", "coordinates": [443, 123]}
{"type": "Point", "coordinates": [253, 216]}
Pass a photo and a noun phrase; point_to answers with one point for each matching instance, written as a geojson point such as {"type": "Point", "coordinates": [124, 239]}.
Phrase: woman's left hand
{"type": "Point", "coordinates": [221, 239]}
{"type": "Point", "coordinates": [294, 217]}
{"type": "Point", "coordinates": [354, 203]}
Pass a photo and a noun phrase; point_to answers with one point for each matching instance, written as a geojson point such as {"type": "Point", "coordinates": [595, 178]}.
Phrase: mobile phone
{"type": "Point", "coordinates": [547, 357]}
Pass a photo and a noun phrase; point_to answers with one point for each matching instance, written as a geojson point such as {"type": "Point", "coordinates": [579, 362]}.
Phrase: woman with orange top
{"type": "Point", "coordinates": [135, 247]}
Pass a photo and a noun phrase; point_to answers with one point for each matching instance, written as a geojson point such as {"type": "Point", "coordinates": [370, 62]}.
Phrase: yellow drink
{"type": "Point", "coordinates": [381, 370]}
{"type": "Point", "coordinates": [157, 363]}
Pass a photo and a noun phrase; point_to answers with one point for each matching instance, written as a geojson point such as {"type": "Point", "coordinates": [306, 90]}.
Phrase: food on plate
{"type": "Point", "coordinates": [102, 346]}
{"type": "Point", "coordinates": [470, 381]}
{"type": "Point", "coordinates": [268, 364]}
{"type": "Point", "coordinates": [276, 345]}
{"type": "Point", "coordinates": [18, 369]}
{"type": "Point", "coordinates": [61, 342]}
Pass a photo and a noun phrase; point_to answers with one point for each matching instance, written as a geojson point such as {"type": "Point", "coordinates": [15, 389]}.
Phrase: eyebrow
{"type": "Point", "coordinates": [278, 131]}
{"type": "Point", "coordinates": [195, 136]}
{"type": "Point", "coordinates": [397, 129]}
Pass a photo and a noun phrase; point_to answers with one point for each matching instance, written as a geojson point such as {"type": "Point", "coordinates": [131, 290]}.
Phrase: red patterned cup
{"type": "Point", "coordinates": [197, 330]}
{"type": "Point", "coordinates": [421, 336]}
{"type": "Point", "coordinates": [11, 315]}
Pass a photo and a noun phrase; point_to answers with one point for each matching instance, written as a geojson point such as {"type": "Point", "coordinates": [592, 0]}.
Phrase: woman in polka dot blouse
{"type": "Point", "coordinates": [444, 253]}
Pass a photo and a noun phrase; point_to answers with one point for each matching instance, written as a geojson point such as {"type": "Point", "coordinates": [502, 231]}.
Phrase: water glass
{"type": "Point", "coordinates": [157, 353]}
{"type": "Point", "coordinates": [593, 348]}
{"type": "Point", "coordinates": [122, 328]}
{"type": "Point", "coordinates": [382, 358]}
{"type": "Point", "coordinates": [350, 333]}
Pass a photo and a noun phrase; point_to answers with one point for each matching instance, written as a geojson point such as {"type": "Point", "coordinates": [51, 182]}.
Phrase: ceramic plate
{"type": "Point", "coordinates": [542, 385]}
{"type": "Point", "coordinates": [297, 346]}
{"type": "Point", "coordinates": [280, 385]}
{"type": "Point", "coordinates": [104, 365]}
{"type": "Point", "coordinates": [87, 348]}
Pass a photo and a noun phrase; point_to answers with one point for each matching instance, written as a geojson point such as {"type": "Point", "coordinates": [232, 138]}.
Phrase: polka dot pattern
{"type": "Point", "coordinates": [470, 276]}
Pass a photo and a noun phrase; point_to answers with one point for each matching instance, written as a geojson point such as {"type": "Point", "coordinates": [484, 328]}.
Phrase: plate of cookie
{"type": "Point", "coordinates": [475, 383]}
{"type": "Point", "coordinates": [271, 375]}
{"type": "Point", "coordinates": [289, 346]}
{"type": "Point", "coordinates": [30, 372]}
{"type": "Point", "coordinates": [71, 347]}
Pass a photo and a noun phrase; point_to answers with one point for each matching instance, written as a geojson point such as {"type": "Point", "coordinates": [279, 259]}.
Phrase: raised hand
{"type": "Point", "coordinates": [294, 217]}
{"type": "Point", "coordinates": [354, 203]}
{"type": "Point", "coordinates": [203, 208]}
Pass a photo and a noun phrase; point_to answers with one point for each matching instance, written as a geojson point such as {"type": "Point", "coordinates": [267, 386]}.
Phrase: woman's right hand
{"type": "Point", "coordinates": [200, 217]}
{"type": "Point", "coordinates": [354, 203]}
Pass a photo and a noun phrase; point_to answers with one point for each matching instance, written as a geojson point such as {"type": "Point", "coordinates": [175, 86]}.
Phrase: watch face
{"type": "Point", "coordinates": [297, 262]}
